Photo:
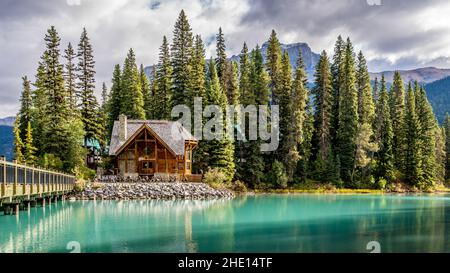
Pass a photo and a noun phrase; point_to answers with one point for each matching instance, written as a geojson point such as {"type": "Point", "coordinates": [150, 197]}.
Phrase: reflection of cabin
{"type": "Point", "coordinates": [148, 147]}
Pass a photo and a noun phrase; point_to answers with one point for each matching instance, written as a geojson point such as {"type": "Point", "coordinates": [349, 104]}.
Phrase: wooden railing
{"type": "Point", "coordinates": [18, 180]}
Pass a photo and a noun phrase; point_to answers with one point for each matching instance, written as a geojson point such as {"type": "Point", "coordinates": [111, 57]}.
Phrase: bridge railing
{"type": "Point", "coordinates": [19, 179]}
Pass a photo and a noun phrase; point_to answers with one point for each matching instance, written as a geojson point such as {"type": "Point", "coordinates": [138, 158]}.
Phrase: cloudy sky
{"type": "Point", "coordinates": [398, 34]}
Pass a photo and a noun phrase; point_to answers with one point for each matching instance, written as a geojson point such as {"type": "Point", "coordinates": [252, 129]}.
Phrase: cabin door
{"type": "Point", "coordinates": [147, 167]}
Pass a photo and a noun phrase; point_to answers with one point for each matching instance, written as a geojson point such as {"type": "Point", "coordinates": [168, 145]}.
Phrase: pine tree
{"type": "Point", "coordinates": [447, 146]}
{"type": "Point", "coordinates": [245, 87]}
{"type": "Point", "coordinates": [26, 105]}
{"type": "Point", "coordinates": [323, 102]}
{"type": "Point", "coordinates": [145, 90]}
{"type": "Point", "coordinates": [365, 145]}
{"type": "Point", "coordinates": [163, 81]}
{"type": "Point", "coordinates": [221, 59]}
{"type": "Point", "coordinates": [104, 112]}
{"type": "Point", "coordinates": [440, 153]}
{"type": "Point", "coordinates": [427, 123]}
{"type": "Point", "coordinates": [132, 97]}
{"type": "Point", "coordinates": [39, 101]}
{"type": "Point", "coordinates": [220, 150]}
{"type": "Point", "coordinates": [18, 143]}
{"type": "Point", "coordinates": [115, 101]}
{"type": "Point", "coordinates": [254, 91]}
{"type": "Point", "coordinates": [412, 159]}
{"type": "Point", "coordinates": [337, 68]}
{"type": "Point", "coordinates": [384, 136]}
{"type": "Point", "coordinates": [62, 132]}
{"type": "Point", "coordinates": [348, 115]}
{"type": "Point", "coordinates": [375, 90]}
{"type": "Point", "coordinates": [56, 107]}
{"type": "Point", "coordinates": [273, 64]}
{"type": "Point", "coordinates": [397, 106]}
{"type": "Point", "coordinates": [70, 78]}
{"type": "Point", "coordinates": [366, 107]}
{"type": "Point", "coordinates": [296, 138]}
{"type": "Point", "coordinates": [89, 108]}
{"type": "Point", "coordinates": [286, 106]}
{"type": "Point", "coordinates": [29, 151]}
{"type": "Point", "coordinates": [197, 89]}
{"type": "Point", "coordinates": [198, 73]}
{"type": "Point", "coordinates": [181, 51]}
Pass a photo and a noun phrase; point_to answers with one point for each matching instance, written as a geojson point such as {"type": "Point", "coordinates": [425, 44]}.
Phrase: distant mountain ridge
{"type": "Point", "coordinates": [8, 121]}
{"type": "Point", "coordinates": [422, 75]}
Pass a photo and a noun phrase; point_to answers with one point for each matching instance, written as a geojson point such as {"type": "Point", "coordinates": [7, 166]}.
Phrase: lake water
{"type": "Point", "coordinates": [263, 223]}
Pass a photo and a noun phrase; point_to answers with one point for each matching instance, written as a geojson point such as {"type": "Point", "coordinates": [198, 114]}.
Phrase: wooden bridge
{"type": "Point", "coordinates": [27, 185]}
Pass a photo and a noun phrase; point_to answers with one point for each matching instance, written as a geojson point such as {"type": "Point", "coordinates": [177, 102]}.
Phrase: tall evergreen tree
{"type": "Point", "coordinates": [163, 81]}
{"type": "Point", "coordinates": [132, 97]}
{"type": "Point", "coordinates": [220, 150]}
{"type": "Point", "coordinates": [26, 105]}
{"type": "Point", "coordinates": [447, 146]}
{"type": "Point", "coordinates": [366, 107]}
{"type": "Point", "coordinates": [273, 64]}
{"type": "Point", "coordinates": [254, 91]}
{"type": "Point", "coordinates": [375, 90]}
{"type": "Point", "coordinates": [337, 69]}
{"type": "Point", "coordinates": [348, 115]}
{"type": "Point", "coordinates": [384, 135]}
{"type": "Point", "coordinates": [145, 90]}
{"type": "Point", "coordinates": [181, 51]}
{"type": "Point", "coordinates": [323, 103]}
{"type": "Point", "coordinates": [115, 101]}
{"type": "Point", "coordinates": [397, 106]}
{"type": "Point", "coordinates": [285, 103]}
{"type": "Point", "coordinates": [70, 77]}
{"type": "Point", "coordinates": [89, 107]}
{"type": "Point", "coordinates": [298, 107]}
{"type": "Point", "coordinates": [412, 155]}
{"type": "Point", "coordinates": [245, 88]}
{"type": "Point", "coordinates": [29, 151]}
{"type": "Point", "coordinates": [427, 140]}
{"type": "Point", "coordinates": [221, 59]}
{"type": "Point", "coordinates": [39, 101]}
{"type": "Point", "coordinates": [18, 143]}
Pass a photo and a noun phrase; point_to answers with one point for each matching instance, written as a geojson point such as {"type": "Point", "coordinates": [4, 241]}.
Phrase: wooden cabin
{"type": "Point", "coordinates": [149, 147]}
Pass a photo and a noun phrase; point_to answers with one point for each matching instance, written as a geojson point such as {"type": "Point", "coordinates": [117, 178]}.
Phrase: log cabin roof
{"type": "Point", "coordinates": [172, 133]}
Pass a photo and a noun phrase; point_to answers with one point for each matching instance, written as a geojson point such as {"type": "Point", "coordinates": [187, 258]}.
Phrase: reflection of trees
{"type": "Point", "coordinates": [36, 230]}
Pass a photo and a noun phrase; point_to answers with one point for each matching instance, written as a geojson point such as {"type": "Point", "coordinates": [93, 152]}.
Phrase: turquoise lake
{"type": "Point", "coordinates": [262, 223]}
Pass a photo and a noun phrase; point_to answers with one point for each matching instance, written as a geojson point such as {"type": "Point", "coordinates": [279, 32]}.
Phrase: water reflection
{"type": "Point", "coordinates": [266, 223]}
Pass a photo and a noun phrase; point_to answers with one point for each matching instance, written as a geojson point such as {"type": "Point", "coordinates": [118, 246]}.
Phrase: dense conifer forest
{"type": "Point", "coordinates": [344, 131]}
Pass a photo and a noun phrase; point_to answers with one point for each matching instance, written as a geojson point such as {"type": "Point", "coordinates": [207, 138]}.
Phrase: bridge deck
{"type": "Point", "coordinates": [18, 181]}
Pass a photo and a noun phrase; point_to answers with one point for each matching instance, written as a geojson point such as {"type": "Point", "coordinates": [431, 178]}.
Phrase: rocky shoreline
{"type": "Point", "coordinates": [163, 191]}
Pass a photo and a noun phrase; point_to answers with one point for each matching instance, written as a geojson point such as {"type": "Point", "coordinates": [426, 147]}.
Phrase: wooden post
{"type": "Point", "coordinates": [15, 178]}
{"type": "Point", "coordinates": [4, 177]}
{"type": "Point", "coordinates": [32, 180]}
{"type": "Point", "coordinates": [24, 186]}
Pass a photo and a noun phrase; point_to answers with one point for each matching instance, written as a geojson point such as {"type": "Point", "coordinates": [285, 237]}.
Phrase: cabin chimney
{"type": "Point", "coordinates": [122, 127]}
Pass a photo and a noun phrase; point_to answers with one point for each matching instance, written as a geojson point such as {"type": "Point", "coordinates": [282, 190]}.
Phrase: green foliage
{"type": "Point", "coordinates": [162, 84]}
{"type": "Point", "coordinates": [447, 146]}
{"type": "Point", "coordinates": [28, 147]}
{"type": "Point", "coordinates": [216, 178]}
{"type": "Point", "coordinates": [277, 175]}
{"type": "Point", "coordinates": [132, 98]}
{"type": "Point", "coordinates": [115, 102]}
{"type": "Point", "coordinates": [397, 108]}
{"type": "Point", "coordinates": [18, 143]}
{"type": "Point", "coordinates": [181, 54]}
{"type": "Point", "coordinates": [83, 173]}
{"type": "Point", "coordinates": [381, 183]}
{"type": "Point", "coordinates": [348, 115]}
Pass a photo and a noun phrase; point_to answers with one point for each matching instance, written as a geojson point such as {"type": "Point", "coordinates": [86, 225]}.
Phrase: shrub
{"type": "Point", "coordinates": [215, 178]}
{"type": "Point", "coordinates": [278, 175]}
{"type": "Point", "coordinates": [84, 173]}
{"type": "Point", "coordinates": [382, 183]}
{"type": "Point", "coordinates": [239, 186]}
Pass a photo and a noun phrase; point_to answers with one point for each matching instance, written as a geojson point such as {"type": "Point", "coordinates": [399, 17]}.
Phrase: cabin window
{"type": "Point", "coordinates": [180, 166]}
{"type": "Point", "coordinates": [188, 166]}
